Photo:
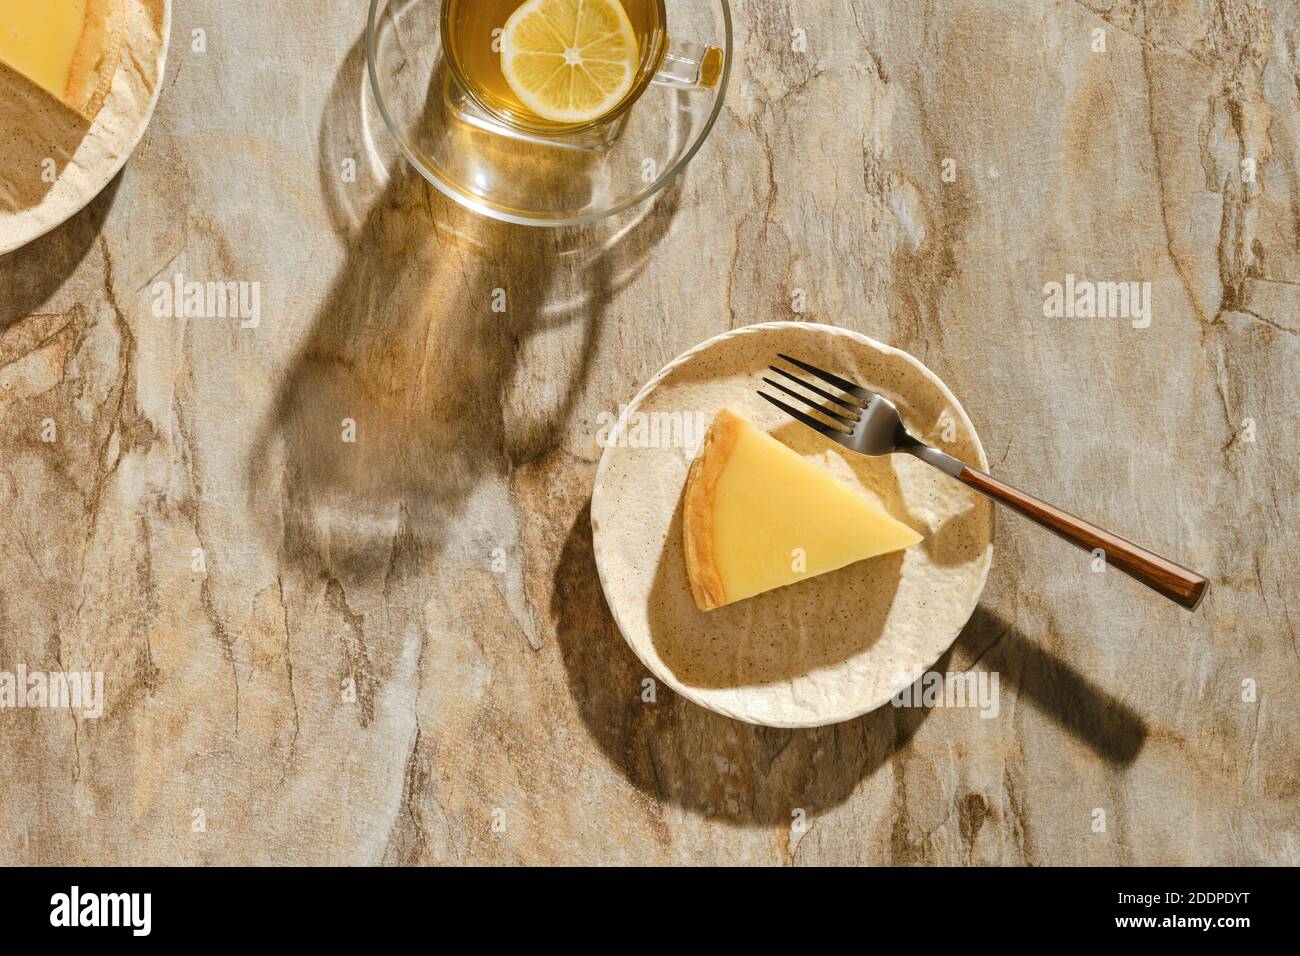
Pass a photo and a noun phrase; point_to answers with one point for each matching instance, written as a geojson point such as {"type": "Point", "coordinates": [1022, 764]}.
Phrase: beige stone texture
{"type": "Point", "coordinates": [397, 651]}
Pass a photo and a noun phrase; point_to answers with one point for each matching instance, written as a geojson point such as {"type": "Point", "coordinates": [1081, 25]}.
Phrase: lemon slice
{"type": "Point", "coordinates": [570, 61]}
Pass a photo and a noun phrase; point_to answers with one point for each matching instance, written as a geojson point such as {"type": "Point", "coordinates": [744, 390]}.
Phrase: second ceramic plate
{"type": "Point", "coordinates": [826, 649]}
{"type": "Point", "coordinates": [51, 164]}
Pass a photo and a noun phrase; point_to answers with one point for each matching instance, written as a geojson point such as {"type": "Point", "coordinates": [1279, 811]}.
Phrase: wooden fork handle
{"type": "Point", "coordinates": [1174, 582]}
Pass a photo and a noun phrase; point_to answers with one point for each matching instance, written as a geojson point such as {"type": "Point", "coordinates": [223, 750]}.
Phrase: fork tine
{"type": "Point", "coordinates": [844, 385]}
{"type": "Point", "coordinates": [831, 432]}
{"type": "Point", "coordinates": [842, 419]}
{"type": "Point", "coordinates": [818, 391]}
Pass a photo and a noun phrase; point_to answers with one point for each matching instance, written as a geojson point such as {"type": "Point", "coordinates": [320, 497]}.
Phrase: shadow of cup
{"type": "Point", "coordinates": [417, 380]}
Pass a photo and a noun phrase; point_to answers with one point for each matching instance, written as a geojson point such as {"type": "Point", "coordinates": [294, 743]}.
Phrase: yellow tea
{"type": "Point", "coordinates": [472, 41]}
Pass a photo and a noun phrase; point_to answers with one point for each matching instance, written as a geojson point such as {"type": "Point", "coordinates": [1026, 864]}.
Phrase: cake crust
{"type": "Point", "coordinates": [98, 54]}
{"type": "Point", "coordinates": [697, 510]}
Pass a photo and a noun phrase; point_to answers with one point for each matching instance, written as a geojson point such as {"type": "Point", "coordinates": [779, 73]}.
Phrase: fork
{"type": "Point", "coordinates": [869, 424]}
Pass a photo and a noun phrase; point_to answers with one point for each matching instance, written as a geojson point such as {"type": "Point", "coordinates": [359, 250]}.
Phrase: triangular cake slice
{"type": "Point", "coordinates": [758, 516]}
{"type": "Point", "coordinates": [69, 48]}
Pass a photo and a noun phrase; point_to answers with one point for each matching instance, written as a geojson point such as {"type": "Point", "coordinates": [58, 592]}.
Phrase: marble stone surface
{"type": "Point", "coordinates": [395, 650]}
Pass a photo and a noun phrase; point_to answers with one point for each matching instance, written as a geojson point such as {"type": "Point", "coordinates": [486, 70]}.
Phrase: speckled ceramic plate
{"type": "Point", "coordinates": [51, 164]}
{"type": "Point", "coordinates": [826, 649]}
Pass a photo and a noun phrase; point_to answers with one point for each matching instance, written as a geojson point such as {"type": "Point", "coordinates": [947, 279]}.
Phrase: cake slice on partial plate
{"type": "Point", "coordinates": [758, 516]}
{"type": "Point", "coordinates": [68, 48]}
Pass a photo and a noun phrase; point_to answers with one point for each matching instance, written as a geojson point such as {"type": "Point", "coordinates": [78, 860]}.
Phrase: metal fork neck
{"type": "Point", "coordinates": [932, 456]}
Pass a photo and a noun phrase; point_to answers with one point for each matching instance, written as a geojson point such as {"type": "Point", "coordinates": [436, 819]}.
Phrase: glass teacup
{"type": "Point", "coordinates": [447, 112]}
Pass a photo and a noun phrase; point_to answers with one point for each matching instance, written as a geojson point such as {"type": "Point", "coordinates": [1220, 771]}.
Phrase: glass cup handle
{"type": "Point", "coordinates": [690, 66]}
